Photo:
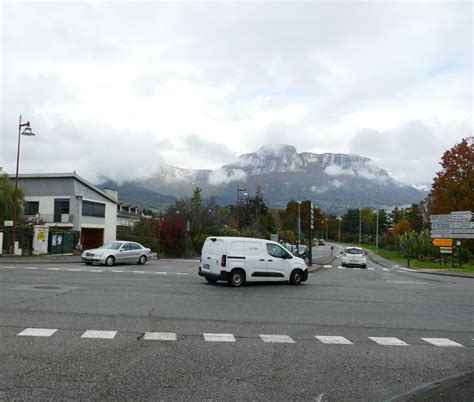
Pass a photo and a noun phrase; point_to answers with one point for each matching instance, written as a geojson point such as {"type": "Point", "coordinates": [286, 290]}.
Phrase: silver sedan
{"type": "Point", "coordinates": [117, 252]}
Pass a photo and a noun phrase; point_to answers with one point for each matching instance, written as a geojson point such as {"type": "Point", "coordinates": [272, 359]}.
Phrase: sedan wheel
{"type": "Point", "coordinates": [142, 260]}
{"type": "Point", "coordinates": [110, 261]}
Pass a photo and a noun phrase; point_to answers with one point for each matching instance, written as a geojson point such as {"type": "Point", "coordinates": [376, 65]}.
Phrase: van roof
{"type": "Point", "coordinates": [238, 238]}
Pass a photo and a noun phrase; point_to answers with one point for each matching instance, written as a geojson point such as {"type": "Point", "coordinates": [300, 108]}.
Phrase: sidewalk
{"type": "Point", "coordinates": [40, 259]}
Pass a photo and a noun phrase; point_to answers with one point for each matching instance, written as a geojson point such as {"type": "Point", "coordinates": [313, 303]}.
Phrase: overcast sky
{"type": "Point", "coordinates": [116, 88]}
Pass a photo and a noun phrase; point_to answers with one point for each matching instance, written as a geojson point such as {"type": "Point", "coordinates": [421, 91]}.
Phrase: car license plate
{"type": "Point", "coordinates": [205, 266]}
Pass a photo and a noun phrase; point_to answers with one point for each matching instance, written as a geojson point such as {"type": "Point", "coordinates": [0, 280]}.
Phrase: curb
{"type": "Point", "coordinates": [428, 391]}
{"type": "Point", "coordinates": [320, 265]}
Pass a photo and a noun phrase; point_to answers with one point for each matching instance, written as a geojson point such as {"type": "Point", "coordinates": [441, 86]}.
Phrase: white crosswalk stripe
{"type": "Point", "coordinates": [92, 334]}
{"type": "Point", "coordinates": [444, 342]}
{"type": "Point", "coordinates": [226, 337]}
{"type": "Point", "coordinates": [46, 332]}
{"type": "Point", "coordinates": [388, 341]}
{"type": "Point", "coordinates": [219, 337]}
{"type": "Point", "coordinates": [277, 338]}
{"type": "Point", "coordinates": [160, 336]}
{"type": "Point", "coordinates": [334, 340]}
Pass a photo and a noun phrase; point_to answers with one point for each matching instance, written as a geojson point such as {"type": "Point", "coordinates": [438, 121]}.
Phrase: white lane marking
{"type": "Point", "coordinates": [30, 268]}
{"type": "Point", "coordinates": [334, 340]}
{"type": "Point", "coordinates": [341, 267]}
{"type": "Point", "coordinates": [160, 336]}
{"type": "Point", "coordinates": [371, 269]}
{"type": "Point", "coordinates": [319, 398]}
{"type": "Point", "coordinates": [442, 342]}
{"type": "Point", "coordinates": [138, 272]}
{"type": "Point", "coordinates": [74, 269]}
{"type": "Point", "coordinates": [385, 269]}
{"type": "Point", "coordinates": [37, 332]}
{"type": "Point", "coordinates": [388, 341]}
{"type": "Point", "coordinates": [161, 273]}
{"type": "Point", "coordinates": [96, 270]}
{"type": "Point", "coordinates": [54, 269]}
{"type": "Point", "coordinates": [10, 267]}
{"type": "Point", "coordinates": [92, 334]}
{"type": "Point", "coordinates": [181, 273]}
{"type": "Point", "coordinates": [276, 338]}
{"type": "Point", "coordinates": [117, 270]}
{"type": "Point", "coordinates": [327, 266]}
{"type": "Point", "coordinates": [219, 338]}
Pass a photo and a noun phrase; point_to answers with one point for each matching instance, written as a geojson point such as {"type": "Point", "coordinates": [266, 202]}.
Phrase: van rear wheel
{"type": "Point", "coordinates": [296, 277]}
{"type": "Point", "coordinates": [236, 278]}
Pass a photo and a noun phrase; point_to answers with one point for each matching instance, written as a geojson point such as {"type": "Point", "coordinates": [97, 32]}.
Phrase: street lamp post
{"type": "Point", "coordinates": [27, 132]}
{"type": "Point", "coordinates": [377, 227]}
{"type": "Point", "coordinates": [360, 226]}
{"type": "Point", "coordinates": [339, 229]}
{"type": "Point", "coordinates": [299, 226]}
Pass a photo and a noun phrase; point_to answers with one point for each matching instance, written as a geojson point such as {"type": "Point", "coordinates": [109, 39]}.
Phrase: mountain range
{"type": "Point", "coordinates": [334, 182]}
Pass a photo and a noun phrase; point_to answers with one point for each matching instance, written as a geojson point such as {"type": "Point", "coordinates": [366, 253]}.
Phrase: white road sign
{"type": "Point", "coordinates": [441, 225]}
{"type": "Point", "coordinates": [461, 216]}
{"type": "Point", "coordinates": [462, 225]}
{"type": "Point", "coordinates": [445, 217]}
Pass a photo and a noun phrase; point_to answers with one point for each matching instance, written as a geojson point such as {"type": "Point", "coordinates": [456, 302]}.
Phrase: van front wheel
{"type": "Point", "coordinates": [296, 277]}
{"type": "Point", "coordinates": [236, 278]}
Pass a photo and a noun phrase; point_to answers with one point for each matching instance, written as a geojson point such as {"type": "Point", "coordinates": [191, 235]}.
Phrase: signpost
{"type": "Point", "coordinates": [456, 225]}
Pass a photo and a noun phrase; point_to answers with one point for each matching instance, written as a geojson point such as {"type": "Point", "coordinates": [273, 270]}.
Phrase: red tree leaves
{"type": "Point", "coordinates": [453, 186]}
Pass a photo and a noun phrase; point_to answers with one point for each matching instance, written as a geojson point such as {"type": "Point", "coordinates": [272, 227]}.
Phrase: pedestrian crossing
{"type": "Point", "coordinates": [355, 268]}
{"type": "Point", "coordinates": [231, 338]}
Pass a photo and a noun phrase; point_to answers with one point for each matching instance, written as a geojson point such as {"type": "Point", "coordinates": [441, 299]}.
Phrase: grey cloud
{"type": "Point", "coordinates": [410, 153]}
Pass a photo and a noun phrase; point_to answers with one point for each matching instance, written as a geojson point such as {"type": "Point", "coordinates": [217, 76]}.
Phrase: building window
{"type": "Point", "coordinates": [90, 208]}
{"type": "Point", "coordinates": [31, 207]}
{"type": "Point", "coordinates": [61, 207]}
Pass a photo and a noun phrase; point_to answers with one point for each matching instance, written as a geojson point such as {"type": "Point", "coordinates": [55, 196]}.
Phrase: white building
{"type": "Point", "coordinates": [67, 200]}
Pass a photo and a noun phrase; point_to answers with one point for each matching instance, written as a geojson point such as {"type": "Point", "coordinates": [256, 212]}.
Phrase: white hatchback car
{"type": "Point", "coordinates": [354, 256]}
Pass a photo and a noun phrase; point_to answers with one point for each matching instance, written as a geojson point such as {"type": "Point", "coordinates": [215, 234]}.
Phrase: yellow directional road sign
{"type": "Point", "coordinates": [442, 242]}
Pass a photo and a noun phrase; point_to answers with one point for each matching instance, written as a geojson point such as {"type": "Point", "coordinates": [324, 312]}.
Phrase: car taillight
{"type": "Point", "coordinates": [223, 260]}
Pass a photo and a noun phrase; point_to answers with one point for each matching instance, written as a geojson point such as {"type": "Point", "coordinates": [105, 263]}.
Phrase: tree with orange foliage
{"type": "Point", "coordinates": [401, 227]}
{"type": "Point", "coordinates": [453, 186]}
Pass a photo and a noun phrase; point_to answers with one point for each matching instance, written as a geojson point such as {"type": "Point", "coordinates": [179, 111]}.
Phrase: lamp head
{"type": "Point", "coordinates": [27, 131]}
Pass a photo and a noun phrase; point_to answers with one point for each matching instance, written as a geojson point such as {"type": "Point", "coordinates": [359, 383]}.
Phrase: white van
{"type": "Point", "coordinates": [241, 259]}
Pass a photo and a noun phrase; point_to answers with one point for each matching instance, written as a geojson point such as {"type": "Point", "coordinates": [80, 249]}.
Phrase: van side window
{"type": "Point", "coordinates": [275, 250]}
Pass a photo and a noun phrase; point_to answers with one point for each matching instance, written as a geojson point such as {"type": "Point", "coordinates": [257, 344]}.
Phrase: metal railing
{"type": "Point", "coordinates": [49, 218]}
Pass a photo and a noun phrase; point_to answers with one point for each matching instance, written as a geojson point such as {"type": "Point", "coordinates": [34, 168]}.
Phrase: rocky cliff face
{"type": "Point", "coordinates": [335, 182]}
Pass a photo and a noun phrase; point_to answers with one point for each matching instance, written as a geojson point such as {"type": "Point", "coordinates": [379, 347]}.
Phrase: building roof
{"type": "Point", "coordinates": [65, 176]}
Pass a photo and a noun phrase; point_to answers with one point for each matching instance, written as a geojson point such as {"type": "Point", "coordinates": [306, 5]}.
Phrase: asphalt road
{"type": "Point", "coordinates": [165, 333]}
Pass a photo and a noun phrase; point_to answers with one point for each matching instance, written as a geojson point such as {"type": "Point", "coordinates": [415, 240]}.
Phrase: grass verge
{"type": "Point", "coordinates": [415, 263]}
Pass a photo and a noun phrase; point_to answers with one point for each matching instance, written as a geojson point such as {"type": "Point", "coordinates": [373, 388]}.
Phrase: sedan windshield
{"type": "Point", "coordinates": [354, 251]}
{"type": "Point", "coordinates": [112, 245]}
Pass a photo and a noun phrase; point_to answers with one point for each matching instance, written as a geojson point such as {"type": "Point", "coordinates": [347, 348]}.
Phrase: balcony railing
{"type": "Point", "coordinates": [49, 218]}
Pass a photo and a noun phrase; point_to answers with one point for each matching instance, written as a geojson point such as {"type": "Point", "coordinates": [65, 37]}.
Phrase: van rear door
{"type": "Point", "coordinates": [212, 252]}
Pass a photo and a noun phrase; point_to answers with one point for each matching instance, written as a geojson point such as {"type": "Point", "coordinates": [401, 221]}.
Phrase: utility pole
{"type": "Point", "coordinates": [360, 226]}
{"type": "Point", "coordinates": [299, 227]}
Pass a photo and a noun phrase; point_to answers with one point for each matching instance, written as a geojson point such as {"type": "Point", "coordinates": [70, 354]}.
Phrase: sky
{"type": "Point", "coordinates": [115, 89]}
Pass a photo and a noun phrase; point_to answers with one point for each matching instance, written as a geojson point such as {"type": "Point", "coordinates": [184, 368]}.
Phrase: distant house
{"type": "Point", "coordinates": [128, 214]}
{"type": "Point", "coordinates": [67, 200]}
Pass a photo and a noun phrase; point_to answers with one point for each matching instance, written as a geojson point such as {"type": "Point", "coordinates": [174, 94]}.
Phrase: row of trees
{"type": "Point", "coordinates": [185, 225]}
